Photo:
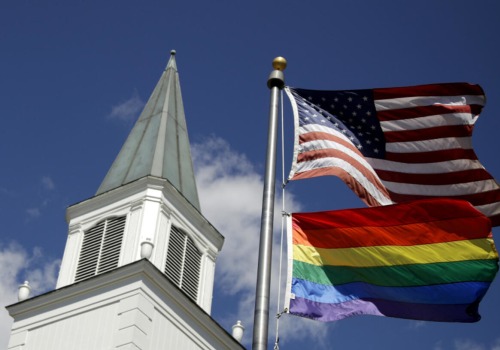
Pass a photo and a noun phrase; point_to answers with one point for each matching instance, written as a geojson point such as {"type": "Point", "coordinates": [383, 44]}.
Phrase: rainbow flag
{"type": "Point", "coordinates": [428, 260]}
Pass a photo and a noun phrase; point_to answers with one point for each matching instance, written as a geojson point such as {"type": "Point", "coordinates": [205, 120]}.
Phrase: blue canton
{"type": "Point", "coordinates": [349, 112]}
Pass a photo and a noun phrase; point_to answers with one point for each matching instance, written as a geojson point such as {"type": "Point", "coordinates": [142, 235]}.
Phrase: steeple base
{"type": "Point", "coordinates": [108, 230]}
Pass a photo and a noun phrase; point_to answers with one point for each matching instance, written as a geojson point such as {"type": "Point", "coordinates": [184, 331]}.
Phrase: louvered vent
{"type": "Point", "coordinates": [191, 272]}
{"type": "Point", "coordinates": [183, 262]}
{"type": "Point", "coordinates": [173, 267]}
{"type": "Point", "coordinates": [89, 254]}
{"type": "Point", "coordinates": [101, 248]}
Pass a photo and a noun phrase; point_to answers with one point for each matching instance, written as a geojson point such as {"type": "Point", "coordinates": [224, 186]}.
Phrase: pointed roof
{"type": "Point", "coordinates": [158, 144]}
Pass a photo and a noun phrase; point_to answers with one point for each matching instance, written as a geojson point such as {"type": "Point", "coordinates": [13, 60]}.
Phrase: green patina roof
{"type": "Point", "coordinates": [158, 144]}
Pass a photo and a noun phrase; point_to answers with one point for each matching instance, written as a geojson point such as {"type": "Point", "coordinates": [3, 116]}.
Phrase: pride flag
{"type": "Point", "coordinates": [428, 260]}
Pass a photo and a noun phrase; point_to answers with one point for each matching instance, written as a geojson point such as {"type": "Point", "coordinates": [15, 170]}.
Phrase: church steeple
{"type": "Point", "coordinates": [158, 144]}
{"type": "Point", "coordinates": [148, 197]}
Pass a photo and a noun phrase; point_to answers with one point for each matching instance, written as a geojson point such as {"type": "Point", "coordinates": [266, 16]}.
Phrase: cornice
{"type": "Point", "coordinates": [138, 191]}
{"type": "Point", "coordinates": [139, 271]}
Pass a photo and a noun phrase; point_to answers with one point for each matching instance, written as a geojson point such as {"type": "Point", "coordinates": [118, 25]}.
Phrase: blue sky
{"type": "Point", "coordinates": [75, 74]}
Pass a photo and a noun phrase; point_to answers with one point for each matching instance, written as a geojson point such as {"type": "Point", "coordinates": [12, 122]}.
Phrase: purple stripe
{"type": "Point", "coordinates": [425, 312]}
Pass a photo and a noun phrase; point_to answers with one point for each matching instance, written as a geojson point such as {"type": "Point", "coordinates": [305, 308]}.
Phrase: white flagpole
{"type": "Point", "coordinates": [275, 82]}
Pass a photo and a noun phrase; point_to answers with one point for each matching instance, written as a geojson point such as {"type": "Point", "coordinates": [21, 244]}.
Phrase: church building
{"type": "Point", "coordinates": [139, 263]}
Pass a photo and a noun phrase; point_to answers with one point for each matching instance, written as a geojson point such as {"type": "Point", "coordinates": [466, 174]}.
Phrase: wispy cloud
{"type": "Point", "coordinates": [468, 344]}
{"type": "Point", "coordinates": [46, 191]}
{"type": "Point", "coordinates": [496, 346]}
{"type": "Point", "coordinates": [416, 324]}
{"type": "Point", "coordinates": [438, 345]}
{"type": "Point", "coordinates": [230, 192]}
{"type": "Point", "coordinates": [33, 213]}
{"type": "Point", "coordinates": [48, 183]}
{"type": "Point", "coordinates": [16, 266]}
{"type": "Point", "coordinates": [128, 110]}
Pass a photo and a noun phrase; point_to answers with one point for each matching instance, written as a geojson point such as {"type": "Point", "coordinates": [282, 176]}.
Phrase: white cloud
{"type": "Point", "coordinates": [467, 344]}
{"type": "Point", "coordinates": [48, 183]}
{"type": "Point", "coordinates": [16, 266]}
{"type": "Point", "coordinates": [438, 345]}
{"type": "Point", "coordinates": [33, 213]}
{"type": "Point", "coordinates": [128, 110]}
{"type": "Point", "coordinates": [230, 192]}
{"type": "Point", "coordinates": [416, 324]}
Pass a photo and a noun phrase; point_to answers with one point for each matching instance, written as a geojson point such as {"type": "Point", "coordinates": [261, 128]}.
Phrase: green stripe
{"type": "Point", "coordinates": [400, 275]}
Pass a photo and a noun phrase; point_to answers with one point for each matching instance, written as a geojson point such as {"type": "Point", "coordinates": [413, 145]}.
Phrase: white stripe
{"type": "Point", "coordinates": [489, 209]}
{"type": "Point", "coordinates": [416, 101]}
{"type": "Point", "coordinates": [428, 122]}
{"type": "Point", "coordinates": [442, 190]}
{"type": "Point", "coordinates": [293, 168]}
{"type": "Point", "coordinates": [322, 144]}
{"type": "Point", "coordinates": [429, 145]}
{"type": "Point", "coordinates": [304, 129]}
{"type": "Point", "coordinates": [425, 168]}
{"type": "Point", "coordinates": [351, 170]}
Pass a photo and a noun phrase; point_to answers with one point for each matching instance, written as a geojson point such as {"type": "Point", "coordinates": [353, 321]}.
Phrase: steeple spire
{"type": "Point", "coordinates": [158, 144]}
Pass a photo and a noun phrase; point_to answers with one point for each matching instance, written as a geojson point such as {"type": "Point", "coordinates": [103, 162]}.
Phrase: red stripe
{"type": "Point", "coordinates": [481, 198]}
{"type": "Point", "coordinates": [416, 212]}
{"type": "Point", "coordinates": [332, 153]}
{"type": "Point", "coordinates": [354, 185]}
{"type": "Point", "coordinates": [450, 178]}
{"type": "Point", "coordinates": [495, 220]}
{"type": "Point", "coordinates": [429, 133]}
{"type": "Point", "coordinates": [431, 156]}
{"type": "Point", "coordinates": [421, 222]}
{"type": "Point", "coordinates": [450, 230]}
{"type": "Point", "coordinates": [425, 111]}
{"type": "Point", "coordinates": [449, 89]}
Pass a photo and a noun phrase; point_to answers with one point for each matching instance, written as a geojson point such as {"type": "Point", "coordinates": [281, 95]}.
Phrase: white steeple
{"type": "Point", "coordinates": [148, 195]}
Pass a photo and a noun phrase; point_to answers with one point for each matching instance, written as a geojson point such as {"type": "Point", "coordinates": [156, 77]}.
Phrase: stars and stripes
{"type": "Point", "coordinates": [394, 145]}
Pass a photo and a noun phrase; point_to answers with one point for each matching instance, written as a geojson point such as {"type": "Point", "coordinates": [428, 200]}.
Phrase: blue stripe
{"type": "Point", "coordinates": [452, 293]}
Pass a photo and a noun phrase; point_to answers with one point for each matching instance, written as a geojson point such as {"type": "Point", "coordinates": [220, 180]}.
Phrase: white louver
{"type": "Point", "coordinates": [101, 248]}
{"type": "Point", "coordinates": [183, 262]}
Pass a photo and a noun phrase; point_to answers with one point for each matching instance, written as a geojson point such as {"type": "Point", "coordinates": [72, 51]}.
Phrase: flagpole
{"type": "Point", "coordinates": [276, 82]}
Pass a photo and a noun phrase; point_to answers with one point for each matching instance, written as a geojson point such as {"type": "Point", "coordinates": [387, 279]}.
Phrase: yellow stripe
{"type": "Point", "coordinates": [475, 249]}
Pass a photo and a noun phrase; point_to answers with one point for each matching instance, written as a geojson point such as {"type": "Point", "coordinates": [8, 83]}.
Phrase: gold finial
{"type": "Point", "coordinates": [279, 63]}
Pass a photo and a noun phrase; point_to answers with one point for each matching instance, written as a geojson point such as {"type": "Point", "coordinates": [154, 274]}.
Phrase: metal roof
{"type": "Point", "coordinates": [158, 144]}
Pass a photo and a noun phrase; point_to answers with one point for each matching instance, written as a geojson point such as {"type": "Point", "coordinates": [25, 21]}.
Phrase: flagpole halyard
{"type": "Point", "coordinates": [276, 82]}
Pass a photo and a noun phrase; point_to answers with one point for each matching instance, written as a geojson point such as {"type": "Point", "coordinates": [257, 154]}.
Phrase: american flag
{"type": "Point", "coordinates": [393, 145]}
